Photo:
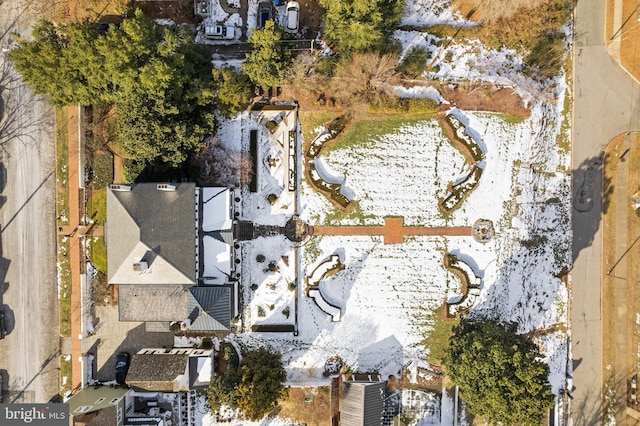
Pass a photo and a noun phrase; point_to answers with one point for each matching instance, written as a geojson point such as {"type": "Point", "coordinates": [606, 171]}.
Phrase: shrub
{"type": "Point", "coordinates": [421, 105]}
{"type": "Point", "coordinates": [414, 62]}
{"type": "Point", "coordinates": [207, 343]}
{"type": "Point", "coordinates": [260, 258]}
{"type": "Point", "coordinates": [101, 171]}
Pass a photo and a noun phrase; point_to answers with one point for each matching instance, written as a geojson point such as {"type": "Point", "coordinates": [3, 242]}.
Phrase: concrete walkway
{"type": "Point", "coordinates": [393, 231]}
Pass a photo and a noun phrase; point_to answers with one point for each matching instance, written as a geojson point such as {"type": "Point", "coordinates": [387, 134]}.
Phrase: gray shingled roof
{"type": "Point", "coordinates": [156, 372]}
{"type": "Point", "coordinates": [154, 225]}
{"type": "Point", "coordinates": [210, 308]}
{"type": "Point", "coordinates": [153, 302]}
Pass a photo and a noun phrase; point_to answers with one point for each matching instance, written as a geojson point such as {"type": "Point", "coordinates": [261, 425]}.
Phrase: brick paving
{"type": "Point", "coordinates": [393, 231]}
{"type": "Point", "coordinates": [75, 249]}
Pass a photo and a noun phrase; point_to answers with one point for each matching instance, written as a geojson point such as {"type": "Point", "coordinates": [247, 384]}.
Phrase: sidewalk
{"type": "Point", "coordinates": [620, 275]}
{"type": "Point", "coordinates": [76, 252]}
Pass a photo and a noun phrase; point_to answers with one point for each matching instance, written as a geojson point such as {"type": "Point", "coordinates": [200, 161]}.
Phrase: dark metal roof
{"type": "Point", "coordinates": [210, 308]}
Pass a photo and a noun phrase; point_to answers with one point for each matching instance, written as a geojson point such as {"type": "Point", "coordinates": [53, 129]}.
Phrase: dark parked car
{"type": "Point", "coordinates": [264, 13]}
{"type": "Point", "coordinates": [3, 329]}
{"type": "Point", "coordinates": [122, 366]}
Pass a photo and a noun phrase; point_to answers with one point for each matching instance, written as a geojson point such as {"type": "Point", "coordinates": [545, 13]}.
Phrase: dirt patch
{"type": "Point", "coordinates": [93, 11]}
{"type": "Point", "coordinates": [179, 11]}
{"type": "Point", "coordinates": [622, 35]}
{"type": "Point", "coordinates": [630, 39]}
{"type": "Point", "coordinates": [485, 98]}
{"type": "Point", "coordinates": [480, 10]}
{"type": "Point", "coordinates": [309, 23]}
{"type": "Point", "coordinates": [307, 405]}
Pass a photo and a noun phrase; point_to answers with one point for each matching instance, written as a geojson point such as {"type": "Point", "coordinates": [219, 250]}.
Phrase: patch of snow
{"type": "Point", "coordinates": [217, 260]}
{"type": "Point", "coordinates": [186, 341]}
{"type": "Point", "coordinates": [216, 204]}
{"type": "Point", "coordinates": [430, 12]}
{"type": "Point", "coordinates": [165, 22]}
{"type": "Point", "coordinates": [429, 92]}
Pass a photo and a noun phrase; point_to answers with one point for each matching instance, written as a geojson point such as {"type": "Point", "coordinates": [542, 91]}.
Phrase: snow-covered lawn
{"type": "Point", "coordinates": [386, 292]}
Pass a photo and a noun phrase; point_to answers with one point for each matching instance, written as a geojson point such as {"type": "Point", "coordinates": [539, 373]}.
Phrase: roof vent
{"type": "Point", "coordinates": [119, 187]}
{"type": "Point", "coordinates": [140, 266]}
{"type": "Point", "coordinates": [165, 187]}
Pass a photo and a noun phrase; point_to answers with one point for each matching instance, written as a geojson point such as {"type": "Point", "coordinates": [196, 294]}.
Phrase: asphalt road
{"type": "Point", "coordinates": [605, 105]}
{"type": "Point", "coordinates": [29, 354]}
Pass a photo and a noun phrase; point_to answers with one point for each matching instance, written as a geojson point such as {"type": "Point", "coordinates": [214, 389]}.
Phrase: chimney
{"type": "Point", "coordinates": [165, 187]}
{"type": "Point", "coordinates": [119, 187]}
{"type": "Point", "coordinates": [140, 266]}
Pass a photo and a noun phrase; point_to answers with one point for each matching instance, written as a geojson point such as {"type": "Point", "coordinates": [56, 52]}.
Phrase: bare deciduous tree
{"type": "Point", "coordinates": [364, 76]}
{"type": "Point", "coordinates": [302, 74]}
{"type": "Point", "coordinates": [217, 165]}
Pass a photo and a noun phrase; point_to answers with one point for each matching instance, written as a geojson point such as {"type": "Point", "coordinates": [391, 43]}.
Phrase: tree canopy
{"type": "Point", "coordinates": [360, 24]}
{"type": "Point", "coordinates": [499, 373]}
{"type": "Point", "coordinates": [254, 387]}
{"type": "Point", "coordinates": [267, 62]}
{"type": "Point", "coordinates": [158, 78]}
{"type": "Point", "coordinates": [233, 92]}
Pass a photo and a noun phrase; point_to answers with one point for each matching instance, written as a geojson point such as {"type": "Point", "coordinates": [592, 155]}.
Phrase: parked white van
{"type": "Point", "coordinates": [219, 32]}
{"type": "Point", "coordinates": [293, 15]}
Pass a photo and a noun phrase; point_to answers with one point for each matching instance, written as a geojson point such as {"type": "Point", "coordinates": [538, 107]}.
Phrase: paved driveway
{"type": "Point", "coordinates": [29, 354]}
{"type": "Point", "coordinates": [605, 104]}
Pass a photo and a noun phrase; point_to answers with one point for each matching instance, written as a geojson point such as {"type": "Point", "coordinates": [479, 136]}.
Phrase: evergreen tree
{"type": "Point", "coordinates": [261, 383]}
{"type": "Point", "coordinates": [158, 78]}
{"type": "Point", "coordinates": [233, 90]}
{"type": "Point", "coordinates": [268, 60]}
{"type": "Point", "coordinates": [499, 373]}
{"type": "Point", "coordinates": [360, 24]}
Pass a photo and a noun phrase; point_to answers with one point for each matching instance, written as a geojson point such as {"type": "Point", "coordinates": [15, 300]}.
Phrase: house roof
{"type": "Point", "coordinates": [210, 308]}
{"type": "Point", "coordinates": [362, 403]}
{"type": "Point", "coordinates": [154, 225]}
{"type": "Point", "coordinates": [153, 303]}
{"type": "Point", "coordinates": [95, 398]}
{"type": "Point", "coordinates": [104, 417]}
{"type": "Point", "coordinates": [200, 372]}
{"type": "Point", "coordinates": [153, 372]}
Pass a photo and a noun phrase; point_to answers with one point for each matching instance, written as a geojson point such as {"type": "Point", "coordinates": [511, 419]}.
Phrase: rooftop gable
{"type": "Point", "coordinates": [154, 224]}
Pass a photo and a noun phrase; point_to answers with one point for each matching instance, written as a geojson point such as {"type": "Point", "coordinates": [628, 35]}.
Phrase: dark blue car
{"type": "Point", "coordinates": [264, 13]}
{"type": "Point", "coordinates": [122, 366]}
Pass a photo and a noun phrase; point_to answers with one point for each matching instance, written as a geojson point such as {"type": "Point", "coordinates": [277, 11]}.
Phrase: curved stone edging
{"type": "Point", "coordinates": [458, 137]}
{"type": "Point", "coordinates": [470, 286]}
{"type": "Point", "coordinates": [333, 191]}
{"type": "Point", "coordinates": [329, 266]}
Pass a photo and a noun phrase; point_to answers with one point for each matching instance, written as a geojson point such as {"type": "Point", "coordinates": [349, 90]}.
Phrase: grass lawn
{"type": "Point", "coordinates": [310, 120]}
{"type": "Point", "coordinates": [65, 374]}
{"type": "Point", "coordinates": [62, 168]}
{"type": "Point", "coordinates": [64, 286]}
{"type": "Point", "coordinates": [437, 339]}
{"type": "Point", "coordinates": [366, 127]}
{"type": "Point", "coordinates": [97, 206]}
{"type": "Point", "coordinates": [97, 253]}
